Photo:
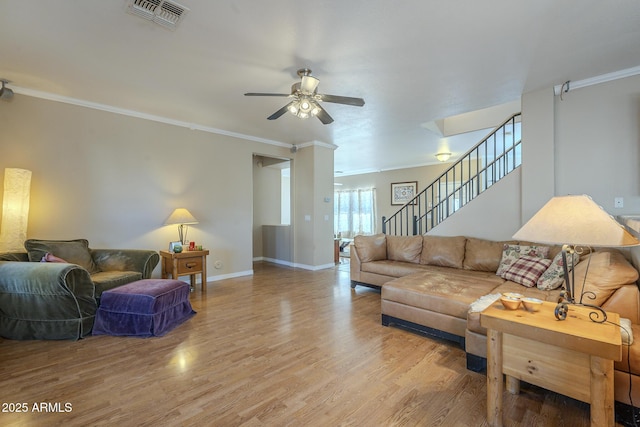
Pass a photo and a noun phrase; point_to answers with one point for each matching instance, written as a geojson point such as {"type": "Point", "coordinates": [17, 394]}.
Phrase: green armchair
{"type": "Point", "coordinates": [58, 300]}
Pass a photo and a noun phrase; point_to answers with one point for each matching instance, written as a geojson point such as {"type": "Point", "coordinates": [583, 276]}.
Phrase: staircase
{"type": "Point", "coordinates": [478, 169]}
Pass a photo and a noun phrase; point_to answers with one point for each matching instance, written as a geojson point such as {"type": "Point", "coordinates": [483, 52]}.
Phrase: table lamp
{"type": "Point", "coordinates": [577, 223]}
{"type": "Point", "coordinates": [182, 217]}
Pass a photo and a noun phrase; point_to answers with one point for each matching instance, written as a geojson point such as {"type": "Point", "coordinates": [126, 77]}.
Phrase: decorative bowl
{"type": "Point", "coordinates": [514, 295]}
{"type": "Point", "coordinates": [510, 303]}
{"type": "Point", "coordinates": [532, 304]}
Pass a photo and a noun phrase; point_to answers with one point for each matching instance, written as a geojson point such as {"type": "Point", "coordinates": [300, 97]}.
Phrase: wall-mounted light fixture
{"type": "Point", "coordinates": [443, 157]}
{"type": "Point", "coordinates": [15, 209]}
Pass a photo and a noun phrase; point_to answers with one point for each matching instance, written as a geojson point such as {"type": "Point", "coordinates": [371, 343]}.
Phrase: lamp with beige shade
{"type": "Point", "coordinates": [579, 224]}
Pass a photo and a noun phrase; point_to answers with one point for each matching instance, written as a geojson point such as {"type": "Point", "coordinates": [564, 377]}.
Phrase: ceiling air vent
{"type": "Point", "coordinates": [162, 12]}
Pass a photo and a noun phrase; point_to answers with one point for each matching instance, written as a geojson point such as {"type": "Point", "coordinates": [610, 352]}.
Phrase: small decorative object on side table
{"type": "Point", "coordinates": [574, 357]}
{"type": "Point", "coordinates": [185, 263]}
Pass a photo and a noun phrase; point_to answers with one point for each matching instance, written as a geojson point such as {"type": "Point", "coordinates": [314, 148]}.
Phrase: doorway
{"type": "Point", "coordinates": [272, 232]}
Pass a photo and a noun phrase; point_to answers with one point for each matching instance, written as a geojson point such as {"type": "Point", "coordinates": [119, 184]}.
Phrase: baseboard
{"type": "Point", "coordinates": [355, 283]}
{"type": "Point", "coordinates": [476, 363]}
{"type": "Point", "coordinates": [422, 330]}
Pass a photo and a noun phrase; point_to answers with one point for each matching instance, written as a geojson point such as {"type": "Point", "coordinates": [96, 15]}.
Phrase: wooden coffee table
{"type": "Point", "coordinates": [573, 357]}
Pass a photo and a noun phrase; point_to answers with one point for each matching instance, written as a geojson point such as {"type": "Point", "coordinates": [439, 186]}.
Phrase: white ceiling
{"type": "Point", "coordinates": [413, 62]}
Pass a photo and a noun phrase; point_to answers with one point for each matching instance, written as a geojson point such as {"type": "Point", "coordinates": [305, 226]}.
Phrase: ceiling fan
{"type": "Point", "coordinates": [306, 99]}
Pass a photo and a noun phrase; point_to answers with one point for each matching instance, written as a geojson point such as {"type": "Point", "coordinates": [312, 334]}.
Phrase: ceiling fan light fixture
{"type": "Point", "coordinates": [304, 107]}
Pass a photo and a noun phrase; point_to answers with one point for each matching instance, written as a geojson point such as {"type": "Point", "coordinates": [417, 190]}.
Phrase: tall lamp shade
{"type": "Point", "coordinates": [15, 209]}
{"type": "Point", "coordinates": [183, 218]}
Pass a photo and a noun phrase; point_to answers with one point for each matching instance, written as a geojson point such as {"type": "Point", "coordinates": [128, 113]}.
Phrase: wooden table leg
{"type": "Point", "coordinates": [513, 384]}
{"type": "Point", "coordinates": [494, 378]}
{"type": "Point", "coordinates": [174, 270]}
{"type": "Point", "coordinates": [203, 284]}
{"type": "Point", "coordinates": [602, 393]}
{"type": "Point", "coordinates": [165, 267]}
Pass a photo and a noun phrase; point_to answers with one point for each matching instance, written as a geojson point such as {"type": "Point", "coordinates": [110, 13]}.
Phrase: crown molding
{"type": "Point", "coordinates": [144, 116]}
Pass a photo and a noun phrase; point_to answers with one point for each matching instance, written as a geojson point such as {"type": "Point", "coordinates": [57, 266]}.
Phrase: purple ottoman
{"type": "Point", "coordinates": [145, 308]}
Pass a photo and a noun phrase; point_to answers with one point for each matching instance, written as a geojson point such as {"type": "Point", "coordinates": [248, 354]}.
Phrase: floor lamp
{"type": "Point", "coordinates": [579, 224]}
{"type": "Point", "coordinates": [15, 209]}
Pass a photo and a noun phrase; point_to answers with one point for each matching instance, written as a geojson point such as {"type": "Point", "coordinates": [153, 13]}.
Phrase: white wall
{"type": "Point", "coordinates": [312, 177]}
{"type": "Point", "coordinates": [494, 215]}
{"type": "Point", "coordinates": [114, 179]}
{"type": "Point", "coordinates": [598, 143]}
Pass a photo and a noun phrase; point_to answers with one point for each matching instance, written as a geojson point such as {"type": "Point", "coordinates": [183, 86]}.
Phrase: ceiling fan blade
{"type": "Point", "coordinates": [322, 114]}
{"type": "Point", "coordinates": [267, 94]}
{"type": "Point", "coordinates": [280, 112]}
{"type": "Point", "coordinates": [356, 102]}
{"type": "Point", "coordinates": [309, 84]}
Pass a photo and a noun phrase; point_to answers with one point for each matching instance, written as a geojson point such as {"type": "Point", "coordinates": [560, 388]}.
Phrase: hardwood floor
{"type": "Point", "coordinates": [282, 347]}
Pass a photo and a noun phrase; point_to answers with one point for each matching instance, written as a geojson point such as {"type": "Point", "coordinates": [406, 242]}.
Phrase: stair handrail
{"type": "Point", "coordinates": [417, 217]}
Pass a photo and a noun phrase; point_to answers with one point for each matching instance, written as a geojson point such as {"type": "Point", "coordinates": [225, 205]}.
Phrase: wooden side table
{"type": "Point", "coordinates": [573, 357]}
{"type": "Point", "coordinates": [185, 263]}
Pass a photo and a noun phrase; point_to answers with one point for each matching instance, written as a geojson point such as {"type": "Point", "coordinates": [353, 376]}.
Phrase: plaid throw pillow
{"type": "Point", "coordinates": [510, 254]}
{"type": "Point", "coordinates": [526, 270]}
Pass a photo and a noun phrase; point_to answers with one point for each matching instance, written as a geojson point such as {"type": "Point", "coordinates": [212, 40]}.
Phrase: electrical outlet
{"type": "Point", "coordinates": [618, 202]}
{"type": "Point", "coordinates": [218, 264]}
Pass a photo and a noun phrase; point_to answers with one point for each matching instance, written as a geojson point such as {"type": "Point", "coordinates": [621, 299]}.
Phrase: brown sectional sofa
{"type": "Point", "coordinates": [428, 284]}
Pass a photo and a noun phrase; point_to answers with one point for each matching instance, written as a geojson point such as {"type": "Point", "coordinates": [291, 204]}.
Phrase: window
{"type": "Point", "coordinates": [354, 212]}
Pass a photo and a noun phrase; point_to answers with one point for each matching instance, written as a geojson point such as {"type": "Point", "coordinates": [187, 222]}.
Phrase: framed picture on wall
{"type": "Point", "coordinates": [403, 192]}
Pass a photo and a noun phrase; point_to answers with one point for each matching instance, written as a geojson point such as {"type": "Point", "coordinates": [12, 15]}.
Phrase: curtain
{"type": "Point", "coordinates": [354, 212]}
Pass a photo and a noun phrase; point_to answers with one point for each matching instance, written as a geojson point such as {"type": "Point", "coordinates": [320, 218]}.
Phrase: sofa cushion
{"type": "Point", "coordinates": [74, 251]}
{"type": "Point", "coordinates": [604, 273]}
{"type": "Point", "coordinates": [483, 255]}
{"type": "Point", "coordinates": [404, 248]}
{"type": "Point", "coordinates": [510, 253]}
{"type": "Point", "coordinates": [396, 268]}
{"type": "Point", "coordinates": [371, 248]}
{"type": "Point", "coordinates": [446, 292]}
{"type": "Point", "coordinates": [526, 270]}
{"type": "Point", "coordinates": [443, 251]}
{"type": "Point", "coordinates": [553, 277]}
{"type": "Point", "coordinates": [106, 280]}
